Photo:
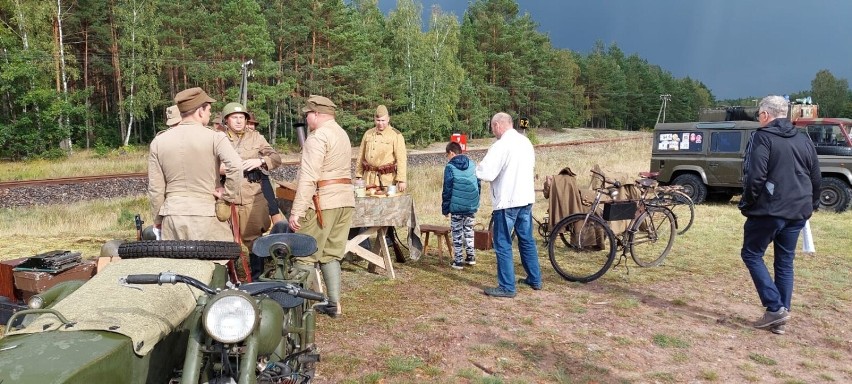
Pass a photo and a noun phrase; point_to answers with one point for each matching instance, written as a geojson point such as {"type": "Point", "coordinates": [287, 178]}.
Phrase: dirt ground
{"type": "Point", "coordinates": [433, 324]}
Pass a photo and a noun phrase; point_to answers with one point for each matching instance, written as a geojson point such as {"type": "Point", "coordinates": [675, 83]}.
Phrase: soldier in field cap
{"type": "Point", "coordinates": [190, 154]}
{"type": "Point", "coordinates": [172, 116]}
{"type": "Point", "coordinates": [383, 161]}
{"type": "Point", "coordinates": [325, 199]}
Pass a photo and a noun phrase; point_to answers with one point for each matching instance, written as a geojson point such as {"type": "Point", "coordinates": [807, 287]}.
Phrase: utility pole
{"type": "Point", "coordinates": [665, 100]}
{"type": "Point", "coordinates": [244, 83]}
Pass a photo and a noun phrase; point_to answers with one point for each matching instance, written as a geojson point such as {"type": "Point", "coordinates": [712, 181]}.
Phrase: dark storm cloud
{"type": "Point", "coordinates": [737, 48]}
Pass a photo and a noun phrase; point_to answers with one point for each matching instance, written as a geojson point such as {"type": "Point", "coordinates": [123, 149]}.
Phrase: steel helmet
{"type": "Point", "coordinates": [232, 108]}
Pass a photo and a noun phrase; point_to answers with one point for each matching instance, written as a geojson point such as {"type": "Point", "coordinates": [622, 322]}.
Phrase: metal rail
{"type": "Point", "coordinates": [139, 175]}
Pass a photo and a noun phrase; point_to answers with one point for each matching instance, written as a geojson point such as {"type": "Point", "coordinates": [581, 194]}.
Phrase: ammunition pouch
{"type": "Point", "coordinates": [223, 210]}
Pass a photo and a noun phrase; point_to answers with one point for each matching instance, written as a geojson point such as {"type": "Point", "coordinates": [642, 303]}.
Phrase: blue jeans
{"type": "Point", "coordinates": [519, 219]}
{"type": "Point", "coordinates": [758, 232]}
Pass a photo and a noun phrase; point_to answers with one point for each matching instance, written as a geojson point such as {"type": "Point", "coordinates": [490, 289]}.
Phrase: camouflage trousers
{"type": "Point", "coordinates": [462, 229]}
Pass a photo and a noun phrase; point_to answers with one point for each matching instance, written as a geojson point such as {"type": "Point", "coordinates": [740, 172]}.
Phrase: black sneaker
{"type": "Point", "coordinates": [769, 319]}
{"type": "Point", "coordinates": [457, 265]}
{"type": "Point", "coordinates": [470, 261]}
{"type": "Point", "coordinates": [499, 292]}
{"type": "Point", "coordinates": [527, 283]}
{"type": "Point", "coordinates": [329, 309]}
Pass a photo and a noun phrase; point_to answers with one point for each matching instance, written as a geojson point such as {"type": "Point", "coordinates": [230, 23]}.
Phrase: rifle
{"type": "Point", "coordinates": [139, 223]}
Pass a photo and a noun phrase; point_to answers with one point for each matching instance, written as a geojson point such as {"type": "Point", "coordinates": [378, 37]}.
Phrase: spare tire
{"type": "Point", "coordinates": [834, 151]}
{"type": "Point", "coordinates": [180, 249]}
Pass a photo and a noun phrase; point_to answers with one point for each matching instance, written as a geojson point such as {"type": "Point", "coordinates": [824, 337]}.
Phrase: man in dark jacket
{"type": "Point", "coordinates": [781, 180]}
{"type": "Point", "coordinates": [460, 200]}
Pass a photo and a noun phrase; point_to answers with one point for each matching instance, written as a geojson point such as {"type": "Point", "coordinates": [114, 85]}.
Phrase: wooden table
{"type": "Point", "coordinates": [375, 214]}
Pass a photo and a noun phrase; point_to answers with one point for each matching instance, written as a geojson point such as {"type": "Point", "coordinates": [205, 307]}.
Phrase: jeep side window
{"type": "Point", "coordinates": [725, 142]}
{"type": "Point", "coordinates": [826, 135]}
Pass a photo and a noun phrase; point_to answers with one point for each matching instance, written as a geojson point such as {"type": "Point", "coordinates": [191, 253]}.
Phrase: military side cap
{"type": "Point", "coordinates": [190, 99]}
{"type": "Point", "coordinates": [172, 115]}
{"type": "Point", "coordinates": [319, 104]}
{"type": "Point", "coordinates": [381, 111]}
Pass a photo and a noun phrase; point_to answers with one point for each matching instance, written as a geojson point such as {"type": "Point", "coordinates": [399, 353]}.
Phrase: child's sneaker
{"type": "Point", "coordinates": [470, 261]}
{"type": "Point", "coordinates": [457, 265]}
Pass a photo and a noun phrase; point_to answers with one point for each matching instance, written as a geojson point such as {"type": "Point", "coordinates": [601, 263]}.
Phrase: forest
{"type": "Point", "coordinates": [100, 73]}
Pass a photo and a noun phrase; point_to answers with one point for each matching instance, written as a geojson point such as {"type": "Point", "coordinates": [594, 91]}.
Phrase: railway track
{"type": "Point", "coordinates": [21, 193]}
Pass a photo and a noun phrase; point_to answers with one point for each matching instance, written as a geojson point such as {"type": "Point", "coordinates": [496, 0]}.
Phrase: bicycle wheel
{"type": "Point", "coordinates": [682, 208]}
{"type": "Point", "coordinates": [651, 235]}
{"type": "Point", "coordinates": [581, 250]}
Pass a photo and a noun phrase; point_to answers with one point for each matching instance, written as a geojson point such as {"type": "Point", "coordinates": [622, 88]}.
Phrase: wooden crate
{"type": "Point", "coordinates": [7, 280]}
{"type": "Point", "coordinates": [31, 283]}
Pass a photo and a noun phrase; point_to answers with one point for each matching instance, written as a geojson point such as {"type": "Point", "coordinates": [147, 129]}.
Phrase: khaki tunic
{"type": "Point", "coordinates": [183, 172]}
{"type": "Point", "coordinates": [381, 148]}
{"type": "Point", "coordinates": [326, 155]}
{"type": "Point", "coordinates": [252, 207]}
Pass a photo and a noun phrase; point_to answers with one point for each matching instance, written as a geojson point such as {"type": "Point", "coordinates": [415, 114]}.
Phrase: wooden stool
{"type": "Point", "coordinates": [439, 231]}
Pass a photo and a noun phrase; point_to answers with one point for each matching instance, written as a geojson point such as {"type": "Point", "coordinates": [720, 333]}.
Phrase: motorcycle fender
{"type": "Point", "coordinates": [270, 329]}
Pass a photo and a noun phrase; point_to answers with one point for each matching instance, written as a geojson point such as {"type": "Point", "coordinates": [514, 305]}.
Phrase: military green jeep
{"type": "Point", "coordinates": [706, 158]}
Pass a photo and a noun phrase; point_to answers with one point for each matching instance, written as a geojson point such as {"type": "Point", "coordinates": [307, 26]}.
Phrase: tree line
{"type": "Point", "coordinates": [84, 73]}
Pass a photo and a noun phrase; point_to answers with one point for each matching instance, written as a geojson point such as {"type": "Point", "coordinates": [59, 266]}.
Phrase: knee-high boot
{"type": "Point", "coordinates": [331, 277]}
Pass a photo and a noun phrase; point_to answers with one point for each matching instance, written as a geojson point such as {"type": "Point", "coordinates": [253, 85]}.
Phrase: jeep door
{"type": "Point", "coordinates": [725, 157]}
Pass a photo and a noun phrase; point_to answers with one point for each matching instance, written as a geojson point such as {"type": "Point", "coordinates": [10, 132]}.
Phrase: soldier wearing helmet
{"type": "Point", "coordinates": [258, 157]}
{"type": "Point", "coordinates": [266, 184]}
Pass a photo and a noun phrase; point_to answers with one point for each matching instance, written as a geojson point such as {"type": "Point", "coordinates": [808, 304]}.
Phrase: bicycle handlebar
{"type": "Point", "coordinates": [614, 183]}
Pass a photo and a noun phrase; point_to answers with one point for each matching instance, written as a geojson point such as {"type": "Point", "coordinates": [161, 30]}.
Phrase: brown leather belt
{"type": "Point", "coordinates": [381, 169]}
{"type": "Point", "coordinates": [325, 183]}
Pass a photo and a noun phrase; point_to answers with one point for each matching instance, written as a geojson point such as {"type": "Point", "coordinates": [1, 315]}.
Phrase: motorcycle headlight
{"type": "Point", "coordinates": [230, 316]}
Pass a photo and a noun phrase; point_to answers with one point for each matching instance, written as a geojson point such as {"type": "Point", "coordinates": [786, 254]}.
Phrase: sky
{"type": "Point", "coordinates": [737, 48]}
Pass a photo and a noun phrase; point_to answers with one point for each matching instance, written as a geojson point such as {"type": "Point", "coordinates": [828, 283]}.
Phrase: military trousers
{"type": "Point", "coordinates": [331, 238]}
{"type": "Point", "coordinates": [184, 227]}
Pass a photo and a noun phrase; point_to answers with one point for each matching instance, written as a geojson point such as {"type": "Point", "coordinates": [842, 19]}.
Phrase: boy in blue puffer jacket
{"type": "Point", "coordinates": [460, 200]}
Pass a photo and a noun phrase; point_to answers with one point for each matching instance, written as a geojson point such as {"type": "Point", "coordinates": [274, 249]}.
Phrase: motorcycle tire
{"type": "Point", "coordinates": [180, 249]}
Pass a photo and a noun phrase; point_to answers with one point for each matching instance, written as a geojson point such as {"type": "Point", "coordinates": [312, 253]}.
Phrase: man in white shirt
{"type": "Point", "coordinates": [509, 167]}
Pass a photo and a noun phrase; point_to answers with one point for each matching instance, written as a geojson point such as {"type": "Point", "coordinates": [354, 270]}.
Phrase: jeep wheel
{"type": "Point", "coordinates": [692, 186]}
{"type": "Point", "coordinates": [180, 249]}
{"type": "Point", "coordinates": [834, 195]}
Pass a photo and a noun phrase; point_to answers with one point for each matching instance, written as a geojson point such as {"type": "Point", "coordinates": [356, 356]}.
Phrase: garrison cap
{"type": "Point", "coordinates": [172, 115]}
{"type": "Point", "coordinates": [381, 111]}
{"type": "Point", "coordinates": [189, 99]}
{"type": "Point", "coordinates": [319, 104]}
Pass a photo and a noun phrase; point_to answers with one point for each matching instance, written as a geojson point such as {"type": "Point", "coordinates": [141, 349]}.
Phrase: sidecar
{"type": "Point", "coordinates": [102, 331]}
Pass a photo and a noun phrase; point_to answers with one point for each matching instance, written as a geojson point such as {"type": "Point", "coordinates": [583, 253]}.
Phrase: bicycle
{"type": "Point", "coordinates": [583, 246]}
{"type": "Point", "coordinates": [673, 197]}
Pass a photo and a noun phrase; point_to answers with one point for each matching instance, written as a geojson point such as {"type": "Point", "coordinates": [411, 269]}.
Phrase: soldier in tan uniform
{"type": "Point", "coordinates": [325, 199]}
{"type": "Point", "coordinates": [266, 184]}
{"type": "Point", "coordinates": [383, 161]}
{"type": "Point", "coordinates": [183, 173]}
{"type": "Point", "coordinates": [257, 156]}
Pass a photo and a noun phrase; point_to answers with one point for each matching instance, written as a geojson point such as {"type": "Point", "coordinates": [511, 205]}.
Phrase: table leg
{"type": "Point", "coordinates": [374, 257]}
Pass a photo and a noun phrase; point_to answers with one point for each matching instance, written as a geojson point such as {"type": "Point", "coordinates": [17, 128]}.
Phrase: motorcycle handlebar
{"type": "Point", "coordinates": [142, 279]}
{"type": "Point", "coordinates": [310, 295]}
{"type": "Point", "coordinates": [167, 278]}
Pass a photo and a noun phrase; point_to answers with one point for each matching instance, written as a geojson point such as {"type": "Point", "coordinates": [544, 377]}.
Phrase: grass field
{"type": "Point", "coordinates": [685, 321]}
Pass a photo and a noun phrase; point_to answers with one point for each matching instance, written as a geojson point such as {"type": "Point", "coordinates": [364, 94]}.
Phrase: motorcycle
{"type": "Point", "coordinates": [137, 322]}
